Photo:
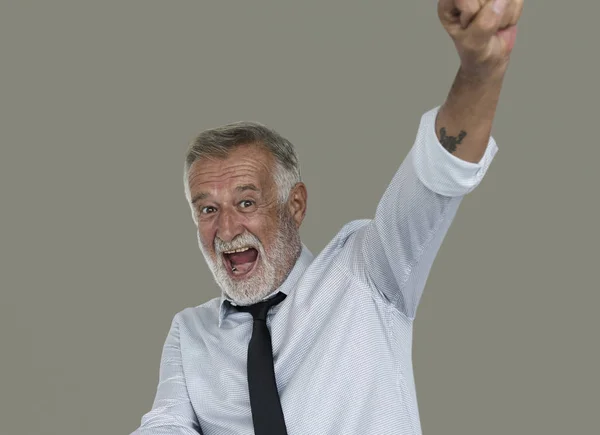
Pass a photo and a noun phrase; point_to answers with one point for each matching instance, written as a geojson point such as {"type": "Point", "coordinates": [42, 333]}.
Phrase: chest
{"type": "Point", "coordinates": [333, 352]}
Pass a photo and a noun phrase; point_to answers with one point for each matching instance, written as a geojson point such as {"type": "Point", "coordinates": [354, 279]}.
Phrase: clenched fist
{"type": "Point", "coordinates": [483, 32]}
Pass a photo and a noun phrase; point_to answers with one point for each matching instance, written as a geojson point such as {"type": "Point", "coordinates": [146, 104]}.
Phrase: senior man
{"type": "Point", "coordinates": [298, 344]}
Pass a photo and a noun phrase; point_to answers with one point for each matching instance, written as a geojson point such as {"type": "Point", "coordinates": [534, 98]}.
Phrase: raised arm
{"type": "Point", "coordinates": [172, 412]}
{"type": "Point", "coordinates": [395, 251]}
{"type": "Point", "coordinates": [484, 33]}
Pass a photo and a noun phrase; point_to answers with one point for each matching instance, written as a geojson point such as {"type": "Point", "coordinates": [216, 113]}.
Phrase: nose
{"type": "Point", "coordinates": [228, 225]}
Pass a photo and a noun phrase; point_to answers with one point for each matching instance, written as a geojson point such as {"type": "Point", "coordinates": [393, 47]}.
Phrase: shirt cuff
{"type": "Point", "coordinates": [442, 172]}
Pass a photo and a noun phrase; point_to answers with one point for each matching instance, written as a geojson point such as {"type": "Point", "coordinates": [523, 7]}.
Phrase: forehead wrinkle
{"type": "Point", "coordinates": [240, 182]}
{"type": "Point", "coordinates": [227, 180]}
{"type": "Point", "coordinates": [251, 165]}
{"type": "Point", "coordinates": [225, 167]}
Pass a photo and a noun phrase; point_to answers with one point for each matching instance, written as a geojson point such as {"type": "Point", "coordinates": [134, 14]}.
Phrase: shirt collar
{"type": "Point", "coordinates": [302, 263]}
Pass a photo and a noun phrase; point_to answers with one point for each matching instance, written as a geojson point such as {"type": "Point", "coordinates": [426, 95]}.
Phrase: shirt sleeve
{"type": "Point", "coordinates": [172, 412]}
{"type": "Point", "coordinates": [394, 252]}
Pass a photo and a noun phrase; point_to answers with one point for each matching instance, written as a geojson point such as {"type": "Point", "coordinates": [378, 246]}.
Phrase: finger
{"type": "Point", "coordinates": [511, 14]}
{"type": "Point", "coordinates": [488, 21]}
{"type": "Point", "coordinates": [458, 11]}
{"type": "Point", "coordinates": [514, 11]}
{"type": "Point", "coordinates": [468, 10]}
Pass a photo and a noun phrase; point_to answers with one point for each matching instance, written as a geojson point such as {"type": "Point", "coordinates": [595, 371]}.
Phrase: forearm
{"type": "Point", "coordinates": [464, 122]}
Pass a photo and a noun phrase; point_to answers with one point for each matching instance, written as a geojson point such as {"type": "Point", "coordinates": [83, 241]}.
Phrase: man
{"type": "Point", "coordinates": [298, 344]}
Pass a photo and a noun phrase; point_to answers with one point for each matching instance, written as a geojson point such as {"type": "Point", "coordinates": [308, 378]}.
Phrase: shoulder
{"type": "Point", "coordinates": [346, 233]}
{"type": "Point", "coordinates": [342, 243]}
{"type": "Point", "coordinates": [198, 316]}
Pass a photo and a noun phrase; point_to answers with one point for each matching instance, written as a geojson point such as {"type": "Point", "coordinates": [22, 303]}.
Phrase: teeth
{"type": "Point", "coordinates": [236, 250]}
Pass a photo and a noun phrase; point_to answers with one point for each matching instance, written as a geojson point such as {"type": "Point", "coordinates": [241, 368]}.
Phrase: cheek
{"type": "Point", "coordinates": [206, 238]}
{"type": "Point", "coordinates": [266, 230]}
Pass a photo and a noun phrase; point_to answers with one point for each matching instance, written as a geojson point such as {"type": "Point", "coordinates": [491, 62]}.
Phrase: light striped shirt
{"type": "Point", "coordinates": [342, 338]}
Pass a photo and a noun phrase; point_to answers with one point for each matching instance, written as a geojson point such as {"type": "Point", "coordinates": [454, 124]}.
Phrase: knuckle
{"type": "Point", "coordinates": [454, 32]}
{"type": "Point", "coordinates": [470, 5]}
{"type": "Point", "coordinates": [467, 8]}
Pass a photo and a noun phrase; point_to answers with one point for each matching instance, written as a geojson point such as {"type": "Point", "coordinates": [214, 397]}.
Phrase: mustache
{"type": "Point", "coordinates": [241, 241]}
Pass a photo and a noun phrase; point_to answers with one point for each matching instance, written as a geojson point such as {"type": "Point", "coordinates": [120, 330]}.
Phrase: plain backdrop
{"type": "Point", "coordinates": [99, 101]}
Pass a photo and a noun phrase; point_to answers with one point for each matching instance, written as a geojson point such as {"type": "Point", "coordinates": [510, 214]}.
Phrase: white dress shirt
{"type": "Point", "coordinates": [342, 338]}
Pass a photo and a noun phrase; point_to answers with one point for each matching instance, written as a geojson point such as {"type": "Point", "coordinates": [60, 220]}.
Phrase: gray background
{"type": "Point", "coordinates": [99, 101]}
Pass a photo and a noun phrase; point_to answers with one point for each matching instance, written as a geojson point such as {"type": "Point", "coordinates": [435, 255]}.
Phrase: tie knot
{"type": "Point", "coordinates": [259, 310]}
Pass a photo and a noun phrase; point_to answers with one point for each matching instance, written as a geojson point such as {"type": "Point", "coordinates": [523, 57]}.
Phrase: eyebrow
{"type": "Point", "coordinates": [245, 187]}
{"type": "Point", "coordinates": [241, 188]}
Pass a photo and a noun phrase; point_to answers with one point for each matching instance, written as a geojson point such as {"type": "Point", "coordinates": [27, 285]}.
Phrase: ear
{"type": "Point", "coordinates": [297, 203]}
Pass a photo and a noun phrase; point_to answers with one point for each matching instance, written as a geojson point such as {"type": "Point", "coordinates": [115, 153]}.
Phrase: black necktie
{"type": "Point", "coordinates": [267, 415]}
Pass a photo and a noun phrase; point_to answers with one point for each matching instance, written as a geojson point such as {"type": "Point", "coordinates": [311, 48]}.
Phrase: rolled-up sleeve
{"type": "Point", "coordinates": [442, 172]}
{"type": "Point", "coordinates": [394, 252]}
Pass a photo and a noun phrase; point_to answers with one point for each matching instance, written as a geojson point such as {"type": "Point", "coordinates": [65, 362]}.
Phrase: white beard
{"type": "Point", "coordinates": [271, 269]}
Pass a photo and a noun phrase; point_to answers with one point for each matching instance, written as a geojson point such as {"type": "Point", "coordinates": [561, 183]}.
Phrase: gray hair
{"type": "Point", "coordinates": [218, 142]}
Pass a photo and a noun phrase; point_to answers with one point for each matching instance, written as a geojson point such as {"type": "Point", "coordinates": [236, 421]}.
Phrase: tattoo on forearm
{"type": "Point", "coordinates": [450, 142]}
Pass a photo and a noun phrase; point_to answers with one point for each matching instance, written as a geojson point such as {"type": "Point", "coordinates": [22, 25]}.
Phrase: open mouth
{"type": "Point", "coordinates": [240, 262]}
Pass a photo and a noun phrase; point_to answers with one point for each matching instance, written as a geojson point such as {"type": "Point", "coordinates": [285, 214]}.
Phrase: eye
{"type": "Point", "coordinates": [246, 203]}
{"type": "Point", "coordinates": [207, 209]}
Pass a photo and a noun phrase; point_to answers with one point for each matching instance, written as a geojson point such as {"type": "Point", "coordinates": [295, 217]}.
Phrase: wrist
{"type": "Point", "coordinates": [483, 74]}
